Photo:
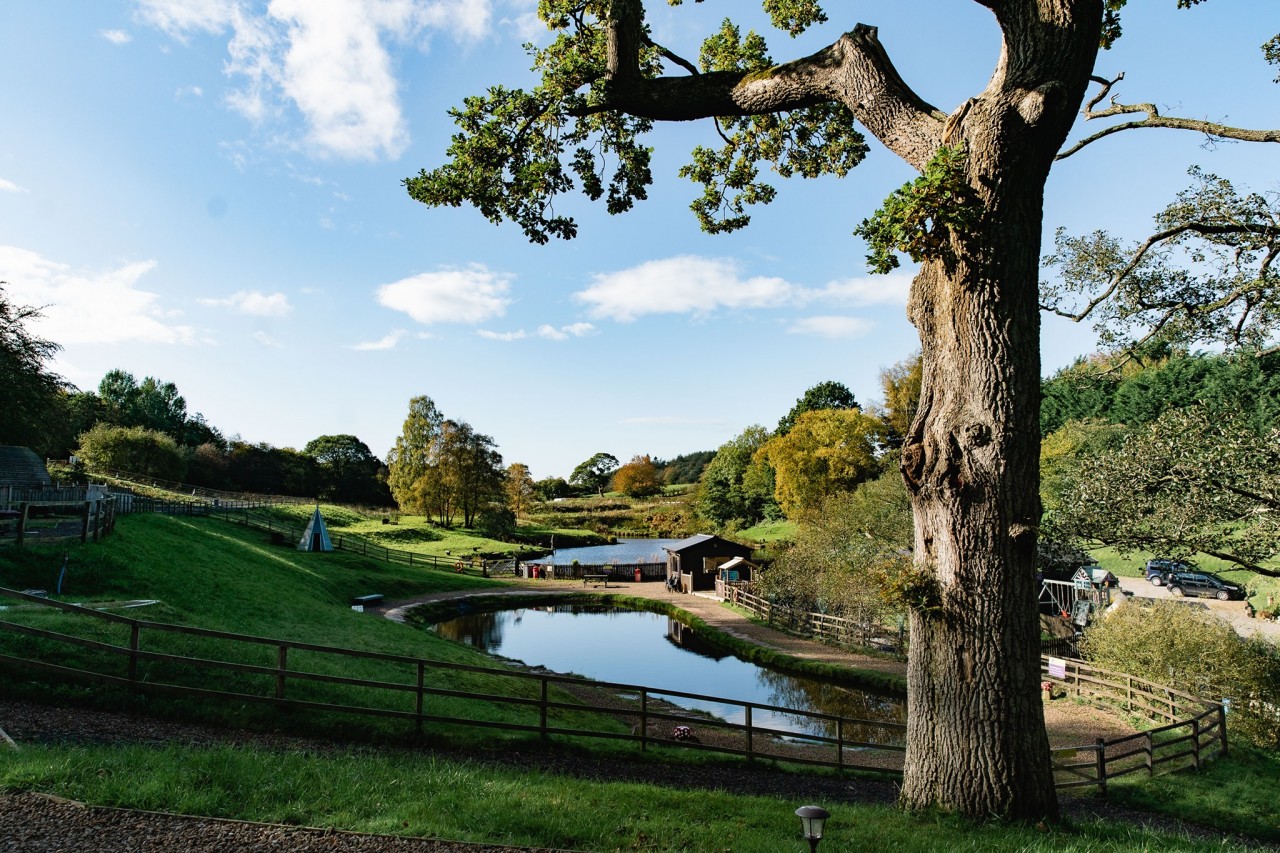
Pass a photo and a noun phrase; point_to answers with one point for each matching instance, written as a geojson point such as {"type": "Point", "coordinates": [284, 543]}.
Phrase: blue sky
{"type": "Point", "coordinates": [208, 191]}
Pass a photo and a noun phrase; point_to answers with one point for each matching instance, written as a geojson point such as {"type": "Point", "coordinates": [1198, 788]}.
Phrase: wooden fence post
{"type": "Point", "coordinates": [1102, 765]}
{"type": "Point", "coordinates": [24, 510]}
{"type": "Point", "coordinates": [750, 740]}
{"type": "Point", "coordinates": [133, 651]}
{"type": "Point", "coordinates": [644, 719]}
{"type": "Point", "coordinates": [417, 708]}
{"type": "Point", "coordinates": [1195, 743]}
{"type": "Point", "coordinates": [280, 669]}
{"type": "Point", "coordinates": [542, 708]}
{"type": "Point", "coordinates": [1222, 727]}
{"type": "Point", "coordinates": [84, 522]}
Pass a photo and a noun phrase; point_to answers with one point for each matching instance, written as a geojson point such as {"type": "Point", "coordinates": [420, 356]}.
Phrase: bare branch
{"type": "Point", "coordinates": [1155, 119]}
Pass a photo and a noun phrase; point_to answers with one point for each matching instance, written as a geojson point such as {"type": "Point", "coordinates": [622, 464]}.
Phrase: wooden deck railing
{"type": "Point", "coordinates": [838, 630]}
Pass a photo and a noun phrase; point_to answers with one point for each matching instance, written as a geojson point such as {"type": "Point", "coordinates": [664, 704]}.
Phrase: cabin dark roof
{"type": "Point", "coordinates": [21, 467]}
{"type": "Point", "coordinates": [696, 539]}
{"type": "Point", "coordinates": [705, 539]}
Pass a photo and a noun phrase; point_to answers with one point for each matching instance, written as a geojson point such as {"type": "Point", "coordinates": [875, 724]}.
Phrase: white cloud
{"type": "Point", "coordinates": [891, 289]}
{"type": "Point", "coordinates": [10, 187]}
{"type": "Point", "coordinates": [470, 295]}
{"type": "Point", "coordinates": [386, 342]}
{"type": "Point", "coordinates": [266, 340]}
{"type": "Point", "coordinates": [255, 303]}
{"type": "Point", "coordinates": [95, 307]}
{"type": "Point", "coordinates": [689, 284]}
{"type": "Point", "coordinates": [116, 36]}
{"type": "Point", "coordinates": [188, 92]}
{"type": "Point", "coordinates": [830, 327]}
{"type": "Point", "coordinates": [682, 285]}
{"type": "Point", "coordinates": [328, 60]}
{"type": "Point", "coordinates": [517, 335]}
{"type": "Point", "coordinates": [563, 333]}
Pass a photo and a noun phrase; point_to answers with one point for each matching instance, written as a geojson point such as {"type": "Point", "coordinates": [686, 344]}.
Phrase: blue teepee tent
{"type": "Point", "coordinates": [316, 536]}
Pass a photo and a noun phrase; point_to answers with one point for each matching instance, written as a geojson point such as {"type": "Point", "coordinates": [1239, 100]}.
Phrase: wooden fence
{"type": "Point", "coordinates": [58, 521]}
{"type": "Point", "coordinates": [1193, 729]}
{"type": "Point", "coordinates": [837, 630]}
{"type": "Point", "coordinates": [545, 703]}
{"type": "Point", "coordinates": [842, 743]}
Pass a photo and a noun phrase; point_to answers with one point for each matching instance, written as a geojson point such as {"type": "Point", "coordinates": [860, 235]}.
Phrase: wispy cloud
{"type": "Point", "coordinates": [682, 285]}
{"type": "Point", "coordinates": [563, 333]}
{"type": "Point", "coordinates": [517, 335]}
{"type": "Point", "coordinates": [267, 341]}
{"type": "Point", "coordinates": [386, 342]}
{"type": "Point", "coordinates": [116, 36]}
{"type": "Point", "coordinates": [98, 307]}
{"type": "Point", "coordinates": [689, 284]}
{"type": "Point", "coordinates": [10, 187]}
{"type": "Point", "coordinates": [329, 61]}
{"type": "Point", "coordinates": [831, 327]}
{"type": "Point", "coordinates": [254, 303]}
{"type": "Point", "coordinates": [472, 295]}
{"type": "Point", "coordinates": [188, 92]}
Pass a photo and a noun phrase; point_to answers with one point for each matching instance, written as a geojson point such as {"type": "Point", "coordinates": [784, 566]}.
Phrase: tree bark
{"type": "Point", "coordinates": [975, 722]}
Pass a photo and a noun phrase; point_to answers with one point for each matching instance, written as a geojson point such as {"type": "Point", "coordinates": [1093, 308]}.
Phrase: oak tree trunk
{"type": "Point", "coordinates": [975, 721]}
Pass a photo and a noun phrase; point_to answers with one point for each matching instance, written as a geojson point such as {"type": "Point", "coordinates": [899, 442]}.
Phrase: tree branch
{"type": "Point", "coordinates": [855, 71]}
{"type": "Point", "coordinates": [1154, 119]}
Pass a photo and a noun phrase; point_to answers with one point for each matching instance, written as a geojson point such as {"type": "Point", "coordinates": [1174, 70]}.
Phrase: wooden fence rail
{"type": "Point", "coordinates": [831, 741]}
{"type": "Point", "coordinates": [1179, 741]}
{"type": "Point", "coordinates": [838, 630]}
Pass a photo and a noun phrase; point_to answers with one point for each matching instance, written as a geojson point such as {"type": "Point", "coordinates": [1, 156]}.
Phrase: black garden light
{"type": "Point", "coordinates": [812, 819]}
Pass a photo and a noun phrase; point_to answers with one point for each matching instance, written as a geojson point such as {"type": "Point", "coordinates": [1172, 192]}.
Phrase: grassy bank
{"type": "Point", "coordinates": [379, 791]}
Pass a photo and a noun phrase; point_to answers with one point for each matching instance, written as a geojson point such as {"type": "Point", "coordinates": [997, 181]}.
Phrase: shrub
{"type": "Point", "coordinates": [1172, 643]}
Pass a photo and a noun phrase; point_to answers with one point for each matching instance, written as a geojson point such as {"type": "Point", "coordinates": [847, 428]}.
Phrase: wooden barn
{"type": "Point", "coordinates": [693, 564]}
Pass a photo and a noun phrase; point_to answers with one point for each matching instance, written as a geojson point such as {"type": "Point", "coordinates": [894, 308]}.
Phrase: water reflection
{"type": "Point", "coordinates": [650, 649]}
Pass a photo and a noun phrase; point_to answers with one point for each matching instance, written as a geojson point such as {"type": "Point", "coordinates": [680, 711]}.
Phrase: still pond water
{"type": "Point", "coordinates": [635, 647]}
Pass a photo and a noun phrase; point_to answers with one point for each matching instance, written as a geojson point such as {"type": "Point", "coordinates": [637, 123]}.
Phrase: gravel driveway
{"type": "Point", "coordinates": [1231, 611]}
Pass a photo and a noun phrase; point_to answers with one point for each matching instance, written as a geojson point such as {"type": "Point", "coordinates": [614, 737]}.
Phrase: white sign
{"type": "Point", "coordinates": [1057, 668]}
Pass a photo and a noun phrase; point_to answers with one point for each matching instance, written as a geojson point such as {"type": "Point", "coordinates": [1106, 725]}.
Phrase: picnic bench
{"type": "Point", "coordinates": [602, 578]}
{"type": "Point", "coordinates": [366, 600]}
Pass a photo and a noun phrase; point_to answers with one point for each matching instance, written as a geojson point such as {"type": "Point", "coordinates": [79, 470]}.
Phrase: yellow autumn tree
{"type": "Point", "coordinates": [827, 451]}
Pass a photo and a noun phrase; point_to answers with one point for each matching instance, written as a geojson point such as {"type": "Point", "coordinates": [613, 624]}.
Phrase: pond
{"type": "Point", "coordinates": [649, 649]}
{"type": "Point", "coordinates": [626, 551]}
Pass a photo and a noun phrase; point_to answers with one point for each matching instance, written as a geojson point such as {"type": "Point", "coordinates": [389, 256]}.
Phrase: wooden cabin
{"type": "Point", "coordinates": [693, 564]}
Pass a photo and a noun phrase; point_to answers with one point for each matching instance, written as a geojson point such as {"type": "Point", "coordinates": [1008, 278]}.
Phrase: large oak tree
{"type": "Point", "coordinates": [976, 737]}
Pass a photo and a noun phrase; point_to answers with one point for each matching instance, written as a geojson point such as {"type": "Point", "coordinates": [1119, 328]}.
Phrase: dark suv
{"type": "Point", "coordinates": [1202, 585]}
{"type": "Point", "coordinates": [1158, 568]}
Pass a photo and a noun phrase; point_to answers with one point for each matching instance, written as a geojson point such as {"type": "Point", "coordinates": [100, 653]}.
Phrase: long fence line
{"type": "Point", "coordinates": [879, 745]}
{"type": "Point", "coordinates": [546, 704]}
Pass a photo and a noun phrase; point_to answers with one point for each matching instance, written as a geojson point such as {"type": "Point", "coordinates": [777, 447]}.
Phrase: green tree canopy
{"type": "Point", "coordinates": [30, 392]}
{"type": "Point", "coordinates": [410, 457]}
{"type": "Point", "coordinates": [348, 470]}
{"type": "Point", "coordinates": [593, 474]}
{"type": "Point", "coordinates": [824, 395]}
{"type": "Point", "coordinates": [135, 450]}
{"type": "Point", "coordinates": [734, 487]}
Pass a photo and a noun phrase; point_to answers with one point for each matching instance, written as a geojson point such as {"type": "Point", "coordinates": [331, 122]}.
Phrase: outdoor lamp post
{"type": "Point", "coordinates": [811, 820]}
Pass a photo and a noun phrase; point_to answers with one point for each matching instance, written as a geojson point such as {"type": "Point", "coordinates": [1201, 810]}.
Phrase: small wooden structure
{"type": "Point", "coordinates": [693, 564]}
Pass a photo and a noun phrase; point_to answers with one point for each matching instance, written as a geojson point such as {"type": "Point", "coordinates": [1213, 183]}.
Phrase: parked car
{"type": "Point", "coordinates": [1159, 567]}
{"type": "Point", "coordinates": [1202, 585]}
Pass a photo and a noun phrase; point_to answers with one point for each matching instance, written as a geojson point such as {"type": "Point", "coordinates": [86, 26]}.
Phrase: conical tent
{"type": "Point", "coordinates": [316, 536]}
